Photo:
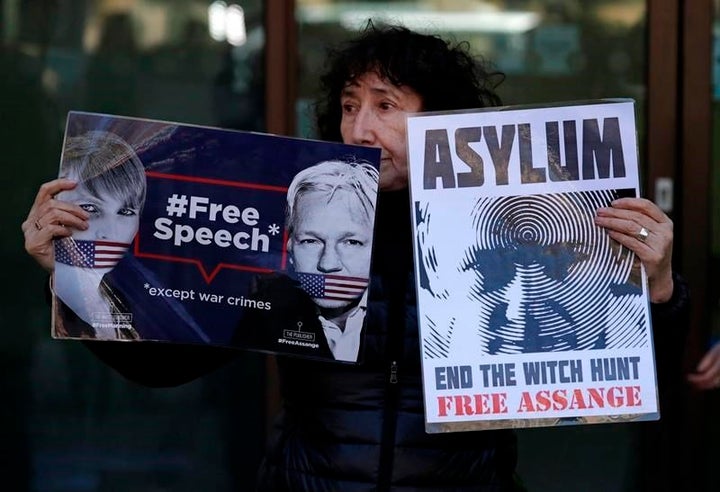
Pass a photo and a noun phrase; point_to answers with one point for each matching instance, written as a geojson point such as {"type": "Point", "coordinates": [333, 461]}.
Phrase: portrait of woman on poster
{"type": "Point", "coordinates": [83, 226]}
{"type": "Point", "coordinates": [110, 190]}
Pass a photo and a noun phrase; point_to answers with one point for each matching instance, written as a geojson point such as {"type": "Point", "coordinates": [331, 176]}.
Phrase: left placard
{"type": "Point", "coordinates": [201, 235]}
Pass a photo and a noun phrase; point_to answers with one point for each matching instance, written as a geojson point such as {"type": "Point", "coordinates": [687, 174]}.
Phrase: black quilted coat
{"type": "Point", "coordinates": [360, 428]}
{"type": "Point", "coordinates": [350, 428]}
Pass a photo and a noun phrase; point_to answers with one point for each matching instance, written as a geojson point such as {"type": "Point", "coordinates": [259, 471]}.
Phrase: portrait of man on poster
{"type": "Point", "coordinates": [529, 273]}
{"type": "Point", "coordinates": [318, 308]}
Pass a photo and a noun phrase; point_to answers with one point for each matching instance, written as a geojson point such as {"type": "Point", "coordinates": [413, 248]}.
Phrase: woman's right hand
{"type": "Point", "coordinates": [707, 372]}
{"type": "Point", "coordinates": [49, 219]}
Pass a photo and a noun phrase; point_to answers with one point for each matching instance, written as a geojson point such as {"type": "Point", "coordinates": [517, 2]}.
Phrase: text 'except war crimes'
{"type": "Point", "coordinates": [190, 295]}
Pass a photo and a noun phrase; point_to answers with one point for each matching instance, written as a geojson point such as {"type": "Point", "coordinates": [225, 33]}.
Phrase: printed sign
{"type": "Point", "coordinates": [530, 315]}
{"type": "Point", "coordinates": [211, 236]}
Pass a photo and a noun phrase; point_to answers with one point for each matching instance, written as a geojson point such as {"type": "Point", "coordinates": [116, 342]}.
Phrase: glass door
{"type": "Point", "coordinates": [550, 51]}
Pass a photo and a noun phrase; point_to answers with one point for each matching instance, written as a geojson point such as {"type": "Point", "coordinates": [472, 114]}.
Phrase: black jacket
{"type": "Point", "coordinates": [349, 428]}
{"type": "Point", "coordinates": [264, 330]}
{"type": "Point", "coordinates": [361, 428]}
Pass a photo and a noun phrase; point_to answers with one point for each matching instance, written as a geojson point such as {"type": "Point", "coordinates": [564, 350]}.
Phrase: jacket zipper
{"type": "Point", "coordinates": [397, 277]}
{"type": "Point", "coordinates": [387, 445]}
{"type": "Point", "coordinates": [395, 341]}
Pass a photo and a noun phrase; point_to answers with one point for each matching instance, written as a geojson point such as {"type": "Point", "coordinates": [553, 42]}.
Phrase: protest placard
{"type": "Point", "coordinates": [200, 235]}
{"type": "Point", "coordinates": [530, 315]}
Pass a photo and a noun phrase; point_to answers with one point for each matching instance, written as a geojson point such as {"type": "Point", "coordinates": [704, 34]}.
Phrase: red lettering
{"type": "Point", "coordinates": [465, 405]}
{"type": "Point", "coordinates": [615, 397]}
{"type": "Point", "coordinates": [633, 396]}
{"type": "Point", "coordinates": [542, 399]}
{"type": "Point", "coordinates": [499, 402]}
{"type": "Point", "coordinates": [482, 403]}
{"type": "Point", "coordinates": [578, 400]}
{"type": "Point", "coordinates": [527, 403]}
{"type": "Point", "coordinates": [444, 404]}
{"type": "Point", "coordinates": [560, 401]}
{"type": "Point", "coordinates": [597, 397]}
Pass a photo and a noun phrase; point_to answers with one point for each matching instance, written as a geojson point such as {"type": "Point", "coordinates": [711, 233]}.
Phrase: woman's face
{"type": "Point", "coordinates": [112, 218]}
{"type": "Point", "coordinates": [373, 114]}
{"type": "Point", "coordinates": [331, 238]}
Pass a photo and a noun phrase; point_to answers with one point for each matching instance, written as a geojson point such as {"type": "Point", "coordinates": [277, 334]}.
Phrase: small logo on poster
{"type": "Point", "coordinates": [114, 321]}
{"type": "Point", "coordinates": [298, 334]}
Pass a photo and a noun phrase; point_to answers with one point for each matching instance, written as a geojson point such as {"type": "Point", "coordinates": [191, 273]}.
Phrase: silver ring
{"type": "Point", "coordinates": [37, 225]}
{"type": "Point", "coordinates": [643, 234]}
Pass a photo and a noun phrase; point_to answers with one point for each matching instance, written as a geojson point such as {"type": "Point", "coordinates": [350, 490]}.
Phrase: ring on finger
{"type": "Point", "coordinates": [37, 225]}
{"type": "Point", "coordinates": [643, 234]}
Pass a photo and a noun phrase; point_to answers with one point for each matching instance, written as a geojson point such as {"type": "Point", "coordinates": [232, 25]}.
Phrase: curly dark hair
{"type": "Point", "coordinates": [445, 75]}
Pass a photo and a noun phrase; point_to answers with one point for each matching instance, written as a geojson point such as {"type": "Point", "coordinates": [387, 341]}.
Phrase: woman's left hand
{"type": "Point", "coordinates": [640, 225]}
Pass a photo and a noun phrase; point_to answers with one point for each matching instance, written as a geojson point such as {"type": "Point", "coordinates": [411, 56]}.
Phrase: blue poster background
{"type": "Point", "coordinates": [212, 227]}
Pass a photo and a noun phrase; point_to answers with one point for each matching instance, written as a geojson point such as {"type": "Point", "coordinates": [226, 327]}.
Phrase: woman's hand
{"type": "Point", "coordinates": [639, 225]}
{"type": "Point", "coordinates": [49, 219]}
{"type": "Point", "coordinates": [707, 373]}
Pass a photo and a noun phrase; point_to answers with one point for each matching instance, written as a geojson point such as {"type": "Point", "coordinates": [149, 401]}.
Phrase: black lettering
{"type": "Point", "coordinates": [528, 173]}
{"type": "Point", "coordinates": [498, 374]}
{"type": "Point", "coordinates": [600, 150]}
{"type": "Point", "coordinates": [569, 170]}
{"type": "Point", "coordinates": [453, 377]}
{"type": "Point", "coordinates": [474, 177]}
{"type": "Point", "coordinates": [438, 162]}
{"type": "Point", "coordinates": [500, 151]}
{"type": "Point", "coordinates": [615, 369]}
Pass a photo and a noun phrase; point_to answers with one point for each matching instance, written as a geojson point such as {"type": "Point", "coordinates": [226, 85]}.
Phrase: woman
{"type": "Point", "coordinates": [362, 427]}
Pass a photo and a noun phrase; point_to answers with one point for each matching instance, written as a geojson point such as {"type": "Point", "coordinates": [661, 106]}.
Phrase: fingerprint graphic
{"type": "Point", "coordinates": [546, 278]}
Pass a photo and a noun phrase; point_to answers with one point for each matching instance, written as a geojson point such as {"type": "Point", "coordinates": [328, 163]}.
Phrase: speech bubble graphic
{"type": "Point", "coordinates": [214, 224]}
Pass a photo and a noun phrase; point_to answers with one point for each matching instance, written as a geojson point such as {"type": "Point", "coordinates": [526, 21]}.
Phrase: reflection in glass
{"type": "Point", "coordinates": [68, 422]}
{"type": "Point", "coordinates": [550, 50]}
